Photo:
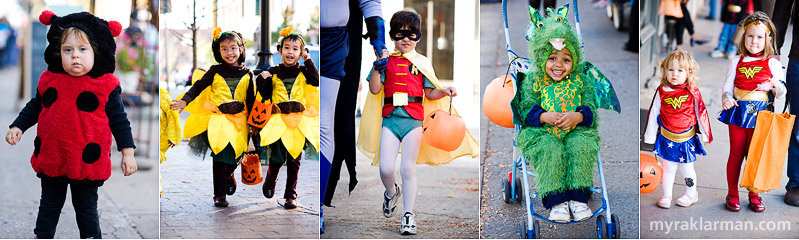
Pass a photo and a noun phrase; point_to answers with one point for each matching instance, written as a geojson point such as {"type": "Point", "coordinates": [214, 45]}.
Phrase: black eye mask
{"type": "Point", "coordinates": [397, 35]}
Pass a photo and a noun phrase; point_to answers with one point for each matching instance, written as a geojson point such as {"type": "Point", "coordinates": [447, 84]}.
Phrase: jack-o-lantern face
{"type": "Point", "coordinates": [260, 114]}
{"type": "Point", "coordinates": [650, 173]}
{"type": "Point", "coordinates": [443, 130]}
{"type": "Point", "coordinates": [251, 169]}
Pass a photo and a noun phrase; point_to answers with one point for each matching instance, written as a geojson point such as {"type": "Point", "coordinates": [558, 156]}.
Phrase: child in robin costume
{"type": "Point", "coordinates": [169, 122]}
{"type": "Point", "coordinates": [411, 91]}
{"type": "Point", "coordinates": [294, 126]}
{"type": "Point", "coordinates": [78, 108]}
{"type": "Point", "coordinates": [219, 103]}
{"type": "Point", "coordinates": [750, 78]}
{"type": "Point", "coordinates": [556, 107]}
{"type": "Point", "coordinates": [679, 112]}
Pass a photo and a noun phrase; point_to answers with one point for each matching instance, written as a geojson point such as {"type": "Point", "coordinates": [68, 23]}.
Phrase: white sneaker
{"type": "Point", "coordinates": [664, 202]}
{"type": "Point", "coordinates": [560, 213]}
{"type": "Point", "coordinates": [408, 226]}
{"type": "Point", "coordinates": [390, 203]}
{"type": "Point", "coordinates": [580, 211]}
{"type": "Point", "coordinates": [717, 54]}
{"type": "Point", "coordinates": [686, 200]}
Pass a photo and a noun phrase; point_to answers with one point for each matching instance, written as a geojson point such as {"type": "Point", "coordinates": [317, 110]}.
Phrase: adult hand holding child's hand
{"type": "Point", "coordinates": [13, 136]}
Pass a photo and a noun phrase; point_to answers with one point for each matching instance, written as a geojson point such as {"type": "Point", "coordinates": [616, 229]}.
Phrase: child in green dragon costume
{"type": "Point", "coordinates": [556, 106]}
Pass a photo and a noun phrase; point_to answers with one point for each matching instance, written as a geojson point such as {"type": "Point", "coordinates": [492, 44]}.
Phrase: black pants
{"type": "Point", "coordinates": [222, 174]}
{"type": "Point", "coordinates": [84, 199]}
{"type": "Point", "coordinates": [581, 195]}
{"type": "Point", "coordinates": [682, 24]}
{"type": "Point", "coordinates": [293, 166]}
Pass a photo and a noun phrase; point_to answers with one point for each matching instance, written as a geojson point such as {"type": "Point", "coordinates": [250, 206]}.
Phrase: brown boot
{"type": "Point", "coordinates": [792, 197]}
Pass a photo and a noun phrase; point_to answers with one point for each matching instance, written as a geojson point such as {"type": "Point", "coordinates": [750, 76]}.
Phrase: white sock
{"type": "Point", "coordinates": [389, 148]}
{"type": "Point", "coordinates": [689, 174]}
{"type": "Point", "coordinates": [410, 152]}
{"type": "Point", "coordinates": [669, 171]}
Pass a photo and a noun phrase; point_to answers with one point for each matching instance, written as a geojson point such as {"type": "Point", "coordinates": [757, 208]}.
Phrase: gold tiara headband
{"type": "Point", "coordinates": [758, 23]}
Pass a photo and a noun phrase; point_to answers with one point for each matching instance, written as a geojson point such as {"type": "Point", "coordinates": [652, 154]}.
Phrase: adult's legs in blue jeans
{"type": "Point", "coordinates": [793, 98]}
{"type": "Point", "coordinates": [725, 37]}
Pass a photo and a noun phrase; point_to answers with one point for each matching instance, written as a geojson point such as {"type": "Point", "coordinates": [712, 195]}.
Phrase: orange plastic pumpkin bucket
{"type": "Point", "coordinates": [496, 101]}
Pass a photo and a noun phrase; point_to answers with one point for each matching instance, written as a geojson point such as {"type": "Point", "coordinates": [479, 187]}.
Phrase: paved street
{"type": "Point", "coordinates": [128, 206]}
{"type": "Point", "coordinates": [603, 48]}
{"type": "Point", "coordinates": [446, 202]}
{"type": "Point", "coordinates": [710, 170]}
{"type": "Point", "coordinates": [188, 211]}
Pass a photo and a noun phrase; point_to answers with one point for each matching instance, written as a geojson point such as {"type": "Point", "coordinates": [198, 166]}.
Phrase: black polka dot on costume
{"type": "Point", "coordinates": [91, 153]}
{"type": "Point", "coordinates": [49, 97]}
{"type": "Point", "coordinates": [37, 145]}
{"type": "Point", "coordinates": [87, 102]}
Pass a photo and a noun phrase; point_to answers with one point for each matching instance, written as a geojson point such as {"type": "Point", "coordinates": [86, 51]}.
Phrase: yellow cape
{"type": "Point", "coordinates": [223, 129]}
{"type": "Point", "coordinates": [293, 129]}
{"type": "Point", "coordinates": [372, 122]}
{"type": "Point", "coordinates": [169, 122]}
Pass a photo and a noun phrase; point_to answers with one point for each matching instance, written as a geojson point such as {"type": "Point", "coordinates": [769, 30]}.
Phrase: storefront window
{"type": "Point", "coordinates": [438, 33]}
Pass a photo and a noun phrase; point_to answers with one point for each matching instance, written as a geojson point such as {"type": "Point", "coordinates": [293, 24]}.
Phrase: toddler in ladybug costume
{"type": "Point", "coordinates": [78, 107]}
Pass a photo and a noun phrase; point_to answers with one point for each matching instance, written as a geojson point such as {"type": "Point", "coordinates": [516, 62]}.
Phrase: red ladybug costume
{"type": "Point", "coordinates": [77, 115]}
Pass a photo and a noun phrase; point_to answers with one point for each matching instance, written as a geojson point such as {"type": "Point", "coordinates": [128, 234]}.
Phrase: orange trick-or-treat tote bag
{"type": "Point", "coordinates": [251, 167]}
{"type": "Point", "coordinates": [767, 151]}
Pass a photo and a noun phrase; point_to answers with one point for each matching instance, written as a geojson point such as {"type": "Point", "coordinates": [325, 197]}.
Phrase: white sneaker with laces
{"type": "Point", "coordinates": [580, 210]}
{"type": "Point", "coordinates": [560, 213]}
{"type": "Point", "coordinates": [389, 204]}
{"type": "Point", "coordinates": [408, 226]}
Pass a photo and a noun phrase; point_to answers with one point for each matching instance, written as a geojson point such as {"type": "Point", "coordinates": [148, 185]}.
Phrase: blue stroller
{"type": "Point", "coordinates": [516, 187]}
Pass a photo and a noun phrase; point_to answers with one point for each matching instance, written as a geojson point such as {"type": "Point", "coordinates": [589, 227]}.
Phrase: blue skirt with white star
{"type": "Point", "coordinates": [744, 115]}
{"type": "Point", "coordinates": [684, 152]}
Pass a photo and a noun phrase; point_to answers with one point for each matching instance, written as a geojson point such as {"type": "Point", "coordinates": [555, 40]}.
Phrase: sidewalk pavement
{"type": "Point", "coordinates": [711, 169]}
{"type": "Point", "coordinates": [128, 206]}
{"type": "Point", "coordinates": [188, 211]}
{"type": "Point", "coordinates": [603, 48]}
{"type": "Point", "coordinates": [446, 202]}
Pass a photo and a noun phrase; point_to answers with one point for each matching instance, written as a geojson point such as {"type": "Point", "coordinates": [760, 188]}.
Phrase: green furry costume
{"type": "Point", "coordinates": [564, 160]}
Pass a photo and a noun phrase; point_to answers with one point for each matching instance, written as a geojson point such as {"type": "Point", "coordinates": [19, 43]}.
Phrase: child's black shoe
{"type": "Point", "coordinates": [220, 201]}
{"type": "Point", "coordinates": [290, 204]}
{"type": "Point", "coordinates": [269, 190]}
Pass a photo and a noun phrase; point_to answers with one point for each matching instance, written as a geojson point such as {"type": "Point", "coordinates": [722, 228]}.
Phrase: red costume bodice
{"type": "Point", "coordinates": [749, 74]}
{"type": "Point", "coordinates": [677, 111]}
{"type": "Point", "coordinates": [403, 77]}
{"type": "Point", "coordinates": [74, 136]}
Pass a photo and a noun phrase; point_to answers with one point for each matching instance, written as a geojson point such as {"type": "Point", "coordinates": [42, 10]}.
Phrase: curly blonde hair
{"type": "Point", "coordinates": [768, 50]}
{"type": "Point", "coordinates": [685, 60]}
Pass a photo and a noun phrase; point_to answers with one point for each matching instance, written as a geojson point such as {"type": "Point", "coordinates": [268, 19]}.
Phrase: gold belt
{"type": "Point", "coordinates": [743, 95]}
{"type": "Point", "coordinates": [678, 137]}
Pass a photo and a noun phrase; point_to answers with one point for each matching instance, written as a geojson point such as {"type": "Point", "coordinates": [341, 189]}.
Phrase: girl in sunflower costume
{"type": "Point", "coordinates": [219, 103]}
{"type": "Point", "coordinates": [294, 123]}
{"type": "Point", "coordinates": [556, 107]}
{"type": "Point", "coordinates": [169, 123]}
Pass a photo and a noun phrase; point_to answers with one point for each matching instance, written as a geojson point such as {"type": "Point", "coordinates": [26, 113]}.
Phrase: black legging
{"type": "Point", "coordinates": [547, 4]}
{"type": "Point", "coordinates": [682, 24]}
{"type": "Point", "coordinates": [84, 200]}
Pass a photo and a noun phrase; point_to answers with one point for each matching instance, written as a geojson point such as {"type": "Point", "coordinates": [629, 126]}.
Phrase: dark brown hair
{"type": "Point", "coordinates": [225, 36]}
{"type": "Point", "coordinates": [292, 37]}
{"type": "Point", "coordinates": [406, 18]}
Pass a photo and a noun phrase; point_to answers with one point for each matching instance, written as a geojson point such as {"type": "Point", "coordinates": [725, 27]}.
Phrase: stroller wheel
{"type": "Point", "coordinates": [601, 227]}
{"type": "Point", "coordinates": [536, 229]}
{"type": "Point", "coordinates": [523, 230]}
{"type": "Point", "coordinates": [614, 233]}
{"type": "Point", "coordinates": [506, 191]}
{"type": "Point", "coordinates": [519, 190]}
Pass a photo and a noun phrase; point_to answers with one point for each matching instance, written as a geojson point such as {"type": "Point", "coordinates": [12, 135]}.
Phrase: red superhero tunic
{"type": "Point", "coordinates": [74, 136]}
{"type": "Point", "coordinates": [402, 77]}
{"type": "Point", "coordinates": [681, 114]}
{"type": "Point", "coordinates": [750, 100]}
